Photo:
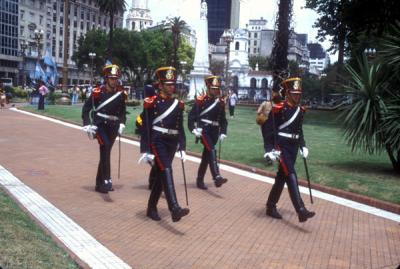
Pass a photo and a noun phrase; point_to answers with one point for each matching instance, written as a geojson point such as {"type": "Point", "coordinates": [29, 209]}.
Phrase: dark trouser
{"type": "Point", "coordinates": [164, 149]}
{"type": "Point", "coordinates": [231, 110]}
{"type": "Point", "coordinates": [209, 157]}
{"type": "Point", "coordinates": [41, 102]}
{"type": "Point", "coordinates": [106, 136]}
{"type": "Point", "coordinates": [286, 173]}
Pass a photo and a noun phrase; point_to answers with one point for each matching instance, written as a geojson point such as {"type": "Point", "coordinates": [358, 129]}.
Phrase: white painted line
{"type": "Point", "coordinates": [328, 197]}
{"type": "Point", "coordinates": [80, 242]}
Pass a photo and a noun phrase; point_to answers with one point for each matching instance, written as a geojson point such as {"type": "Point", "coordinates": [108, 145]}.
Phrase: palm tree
{"type": "Point", "coordinates": [281, 42]}
{"type": "Point", "coordinates": [372, 123]}
{"type": "Point", "coordinates": [176, 28]}
{"type": "Point", "coordinates": [111, 8]}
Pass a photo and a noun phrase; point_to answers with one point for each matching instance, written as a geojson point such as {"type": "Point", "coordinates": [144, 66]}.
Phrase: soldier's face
{"type": "Point", "coordinates": [294, 98]}
{"type": "Point", "coordinates": [214, 91]}
{"type": "Point", "coordinates": [168, 89]}
{"type": "Point", "coordinates": [112, 82]}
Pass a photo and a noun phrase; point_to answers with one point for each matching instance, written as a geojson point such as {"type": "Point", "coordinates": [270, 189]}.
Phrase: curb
{"type": "Point", "coordinates": [391, 207]}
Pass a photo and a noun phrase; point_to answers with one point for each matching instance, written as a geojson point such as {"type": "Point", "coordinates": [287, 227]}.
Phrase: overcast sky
{"type": "Point", "coordinates": [189, 10]}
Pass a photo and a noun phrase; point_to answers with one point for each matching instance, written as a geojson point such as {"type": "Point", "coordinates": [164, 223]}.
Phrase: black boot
{"type": "Point", "coordinates": [298, 204]}
{"type": "Point", "coordinates": [273, 212]}
{"type": "Point", "coordinates": [153, 200]}
{"type": "Point", "coordinates": [218, 179]}
{"type": "Point", "coordinates": [102, 188]}
{"type": "Point", "coordinates": [274, 196]}
{"type": "Point", "coordinates": [169, 189]}
{"type": "Point", "coordinates": [202, 171]}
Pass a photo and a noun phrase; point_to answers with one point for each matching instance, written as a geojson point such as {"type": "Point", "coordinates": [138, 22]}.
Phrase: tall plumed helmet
{"type": "Point", "coordinates": [213, 82]}
{"type": "Point", "coordinates": [292, 85]}
{"type": "Point", "coordinates": [166, 75]}
{"type": "Point", "coordinates": [111, 71]}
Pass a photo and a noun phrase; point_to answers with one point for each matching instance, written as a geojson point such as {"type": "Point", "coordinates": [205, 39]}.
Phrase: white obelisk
{"type": "Point", "coordinates": [201, 65]}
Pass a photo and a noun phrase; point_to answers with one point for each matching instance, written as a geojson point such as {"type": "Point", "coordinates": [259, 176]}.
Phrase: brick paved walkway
{"type": "Point", "coordinates": [226, 228]}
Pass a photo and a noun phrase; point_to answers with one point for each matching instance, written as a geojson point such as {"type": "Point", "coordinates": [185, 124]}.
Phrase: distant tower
{"type": "Point", "coordinates": [139, 16]}
{"type": "Point", "coordinates": [201, 64]}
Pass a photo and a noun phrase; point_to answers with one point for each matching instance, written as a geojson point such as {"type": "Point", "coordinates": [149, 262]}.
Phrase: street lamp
{"type": "Point", "coordinates": [370, 53]}
{"type": "Point", "coordinates": [227, 36]}
{"type": "Point", "coordinates": [38, 37]}
{"type": "Point", "coordinates": [92, 55]}
{"type": "Point", "coordinates": [23, 46]}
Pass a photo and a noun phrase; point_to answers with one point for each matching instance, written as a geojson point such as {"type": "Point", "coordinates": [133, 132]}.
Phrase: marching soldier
{"type": "Point", "coordinates": [162, 136]}
{"type": "Point", "coordinates": [207, 121]}
{"type": "Point", "coordinates": [283, 138]}
{"type": "Point", "coordinates": [104, 117]}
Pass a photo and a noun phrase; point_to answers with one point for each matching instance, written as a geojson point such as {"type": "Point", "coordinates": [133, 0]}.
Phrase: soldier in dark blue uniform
{"type": "Point", "coordinates": [283, 139]}
{"type": "Point", "coordinates": [207, 121]}
{"type": "Point", "coordinates": [104, 117]}
{"type": "Point", "coordinates": [162, 136]}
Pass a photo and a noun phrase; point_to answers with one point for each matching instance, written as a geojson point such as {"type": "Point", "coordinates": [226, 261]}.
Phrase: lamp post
{"type": "Point", "coordinates": [38, 37]}
{"type": "Point", "coordinates": [370, 53]}
{"type": "Point", "coordinates": [227, 36]}
{"type": "Point", "coordinates": [92, 55]}
{"type": "Point", "coordinates": [23, 46]}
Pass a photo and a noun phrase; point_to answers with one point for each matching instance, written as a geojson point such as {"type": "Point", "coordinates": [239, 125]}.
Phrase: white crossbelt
{"type": "Point", "coordinates": [293, 136]}
{"type": "Point", "coordinates": [108, 117]}
{"type": "Point", "coordinates": [209, 108]}
{"type": "Point", "coordinates": [167, 112]}
{"type": "Point", "coordinates": [213, 123]}
{"type": "Point", "coordinates": [108, 101]}
{"type": "Point", "coordinates": [285, 124]}
{"type": "Point", "coordinates": [165, 130]}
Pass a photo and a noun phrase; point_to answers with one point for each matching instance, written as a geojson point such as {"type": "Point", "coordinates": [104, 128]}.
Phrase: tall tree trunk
{"type": "Point", "coordinates": [281, 44]}
{"type": "Point", "coordinates": [395, 161]}
{"type": "Point", "coordinates": [342, 41]}
{"type": "Point", "coordinates": [110, 40]}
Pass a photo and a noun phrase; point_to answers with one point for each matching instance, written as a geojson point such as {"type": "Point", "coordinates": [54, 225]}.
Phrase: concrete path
{"type": "Point", "coordinates": [50, 168]}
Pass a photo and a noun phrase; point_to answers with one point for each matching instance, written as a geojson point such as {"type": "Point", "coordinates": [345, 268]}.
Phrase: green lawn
{"type": "Point", "coordinates": [23, 244]}
{"type": "Point", "coordinates": [331, 162]}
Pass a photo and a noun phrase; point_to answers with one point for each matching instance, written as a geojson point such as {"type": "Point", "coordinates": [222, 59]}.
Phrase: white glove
{"type": "Point", "coordinates": [273, 155]}
{"type": "Point", "coordinates": [91, 130]}
{"type": "Point", "coordinates": [121, 128]}
{"type": "Point", "coordinates": [222, 137]}
{"type": "Point", "coordinates": [304, 152]}
{"type": "Point", "coordinates": [148, 157]}
{"type": "Point", "coordinates": [197, 132]}
{"type": "Point", "coordinates": [182, 155]}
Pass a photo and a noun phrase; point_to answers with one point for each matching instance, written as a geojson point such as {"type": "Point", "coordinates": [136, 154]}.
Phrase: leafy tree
{"type": "Point", "coordinates": [111, 8]}
{"type": "Point", "coordinates": [94, 41]}
{"type": "Point", "coordinates": [177, 26]}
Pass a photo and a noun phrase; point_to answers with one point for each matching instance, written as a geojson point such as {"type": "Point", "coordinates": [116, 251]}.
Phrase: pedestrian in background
{"type": "Point", "coordinates": [232, 101]}
{"type": "Point", "coordinates": [43, 91]}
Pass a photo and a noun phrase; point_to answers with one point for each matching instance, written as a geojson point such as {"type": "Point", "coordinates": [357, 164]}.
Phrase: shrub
{"type": "Point", "coordinates": [133, 102]}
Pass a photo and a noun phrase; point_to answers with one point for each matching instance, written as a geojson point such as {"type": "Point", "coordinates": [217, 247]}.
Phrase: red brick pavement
{"type": "Point", "coordinates": [226, 227]}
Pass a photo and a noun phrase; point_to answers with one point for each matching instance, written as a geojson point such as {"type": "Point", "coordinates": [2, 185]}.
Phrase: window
{"type": "Point", "coordinates": [41, 19]}
{"type": "Point", "coordinates": [22, 13]}
{"type": "Point", "coordinates": [255, 35]}
{"type": "Point", "coordinates": [237, 44]}
{"type": "Point", "coordinates": [21, 30]}
{"type": "Point", "coordinates": [255, 42]}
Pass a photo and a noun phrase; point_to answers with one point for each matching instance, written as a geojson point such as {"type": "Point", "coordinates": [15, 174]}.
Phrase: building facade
{"type": "Point", "coordinates": [222, 14]}
{"type": "Point", "coordinates": [139, 17]}
{"type": "Point", "coordinates": [255, 28]}
{"type": "Point", "coordinates": [48, 16]}
{"type": "Point", "coordinates": [9, 53]}
{"type": "Point", "coordinates": [319, 59]}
